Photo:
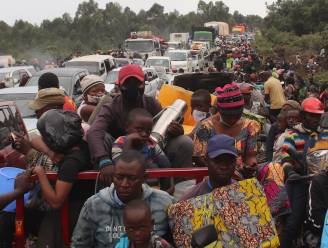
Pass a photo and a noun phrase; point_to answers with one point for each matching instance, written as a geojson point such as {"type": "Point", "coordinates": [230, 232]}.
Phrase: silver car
{"type": "Point", "coordinates": [69, 79]}
{"type": "Point", "coordinates": [22, 96]}
{"type": "Point", "coordinates": [12, 76]}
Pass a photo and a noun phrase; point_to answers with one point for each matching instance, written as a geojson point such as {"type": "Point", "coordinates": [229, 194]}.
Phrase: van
{"type": "Point", "coordinates": [181, 60]}
{"type": "Point", "coordinates": [96, 64]}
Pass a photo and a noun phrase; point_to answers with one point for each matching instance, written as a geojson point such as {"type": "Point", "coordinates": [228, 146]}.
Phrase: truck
{"type": "Point", "coordinates": [181, 38]}
{"type": "Point", "coordinates": [203, 34]}
{"type": "Point", "coordinates": [221, 28]}
{"type": "Point", "coordinates": [143, 43]}
{"type": "Point", "coordinates": [239, 28]}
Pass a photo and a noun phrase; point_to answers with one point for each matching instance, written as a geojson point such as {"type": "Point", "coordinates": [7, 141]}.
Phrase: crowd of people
{"type": "Point", "coordinates": [267, 109]}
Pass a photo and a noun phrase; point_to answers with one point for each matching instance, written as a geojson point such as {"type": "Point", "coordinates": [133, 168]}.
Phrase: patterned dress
{"type": "Point", "coordinates": [246, 139]}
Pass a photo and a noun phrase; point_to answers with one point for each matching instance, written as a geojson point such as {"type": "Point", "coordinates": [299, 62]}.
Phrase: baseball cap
{"type": "Point", "coordinates": [221, 144]}
{"type": "Point", "coordinates": [89, 81]}
{"type": "Point", "coordinates": [47, 96]}
{"type": "Point", "coordinates": [130, 71]}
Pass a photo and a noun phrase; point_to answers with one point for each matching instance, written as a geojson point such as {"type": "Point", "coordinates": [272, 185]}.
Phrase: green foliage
{"type": "Point", "coordinates": [298, 16]}
{"type": "Point", "coordinates": [92, 28]}
{"type": "Point", "coordinates": [321, 77]}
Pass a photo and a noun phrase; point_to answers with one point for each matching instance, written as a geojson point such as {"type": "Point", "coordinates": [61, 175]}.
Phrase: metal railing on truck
{"type": "Point", "coordinates": [195, 173]}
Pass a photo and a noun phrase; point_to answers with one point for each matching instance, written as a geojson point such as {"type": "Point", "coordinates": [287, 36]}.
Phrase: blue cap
{"type": "Point", "coordinates": [221, 144]}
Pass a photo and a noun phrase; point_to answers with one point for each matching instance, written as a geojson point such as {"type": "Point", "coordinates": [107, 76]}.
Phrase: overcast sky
{"type": "Point", "coordinates": [35, 11]}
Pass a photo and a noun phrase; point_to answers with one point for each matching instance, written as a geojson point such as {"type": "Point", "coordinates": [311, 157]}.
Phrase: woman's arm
{"type": "Point", "coordinates": [55, 197]}
{"type": "Point", "coordinates": [38, 144]}
{"type": "Point", "coordinates": [22, 185]}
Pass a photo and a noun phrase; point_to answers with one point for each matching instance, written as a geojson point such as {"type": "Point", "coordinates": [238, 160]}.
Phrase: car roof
{"type": "Point", "coordinates": [63, 72]}
{"type": "Point", "coordinates": [179, 51]}
{"type": "Point", "coordinates": [14, 68]}
{"type": "Point", "coordinates": [121, 59]}
{"type": "Point", "coordinates": [159, 57]}
{"type": "Point", "coordinates": [143, 68]}
{"type": "Point", "coordinates": [139, 39]}
{"type": "Point", "coordinates": [19, 90]}
{"type": "Point", "coordinates": [151, 68]}
{"type": "Point", "coordinates": [92, 58]}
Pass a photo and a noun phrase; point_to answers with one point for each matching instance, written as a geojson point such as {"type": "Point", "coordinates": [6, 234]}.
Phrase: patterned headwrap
{"type": "Point", "coordinates": [229, 98]}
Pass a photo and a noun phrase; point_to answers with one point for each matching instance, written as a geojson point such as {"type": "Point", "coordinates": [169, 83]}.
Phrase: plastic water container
{"type": "Point", "coordinates": [7, 181]}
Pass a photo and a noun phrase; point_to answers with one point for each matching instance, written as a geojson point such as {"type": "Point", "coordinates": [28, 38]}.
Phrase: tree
{"type": "Point", "coordinates": [92, 28]}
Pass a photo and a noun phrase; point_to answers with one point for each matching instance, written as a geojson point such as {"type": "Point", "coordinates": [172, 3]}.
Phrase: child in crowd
{"type": "Point", "coordinates": [93, 89]}
{"type": "Point", "coordinates": [139, 126]}
{"type": "Point", "coordinates": [139, 227]}
{"type": "Point", "coordinates": [200, 104]}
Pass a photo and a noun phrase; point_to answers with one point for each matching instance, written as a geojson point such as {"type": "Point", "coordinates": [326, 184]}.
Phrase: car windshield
{"type": "Point", "coordinates": [92, 67]}
{"type": "Point", "coordinates": [200, 36]}
{"type": "Point", "coordinates": [3, 76]}
{"type": "Point", "coordinates": [22, 101]}
{"type": "Point", "coordinates": [177, 56]}
{"type": "Point", "coordinates": [139, 45]}
{"type": "Point", "coordinates": [174, 45]}
{"type": "Point", "coordinates": [65, 82]}
{"type": "Point", "coordinates": [111, 77]}
{"type": "Point", "coordinates": [121, 62]}
{"type": "Point", "coordinates": [158, 62]}
{"type": "Point", "coordinates": [138, 62]}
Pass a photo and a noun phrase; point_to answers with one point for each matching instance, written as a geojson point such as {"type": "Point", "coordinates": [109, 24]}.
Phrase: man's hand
{"type": "Point", "coordinates": [175, 129]}
{"type": "Point", "coordinates": [38, 170]}
{"type": "Point", "coordinates": [23, 183]}
{"type": "Point", "coordinates": [20, 143]}
{"type": "Point", "coordinates": [106, 174]}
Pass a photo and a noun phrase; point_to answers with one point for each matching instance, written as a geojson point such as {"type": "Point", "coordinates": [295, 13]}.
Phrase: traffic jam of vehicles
{"type": "Point", "coordinates": [190, 141]}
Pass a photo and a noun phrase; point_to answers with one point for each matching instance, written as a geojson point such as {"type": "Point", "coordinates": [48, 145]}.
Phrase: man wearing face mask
{"type": "Point", "coordinates": [229, 121]}
{"type": "Point", "coordinates": [112, 118]}
{"type": "Point", "coordinates": [93, 89]}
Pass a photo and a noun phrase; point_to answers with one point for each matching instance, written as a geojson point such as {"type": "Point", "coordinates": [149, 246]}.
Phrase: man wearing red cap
{"type": "Point", "coordinates": [297, 142]}
{"type": "Point", "coordinates": [112, 120]}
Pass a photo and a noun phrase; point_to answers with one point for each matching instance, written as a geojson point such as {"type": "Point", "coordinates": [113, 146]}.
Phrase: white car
{"type": "Point", "coordinates": [198, 62]}
{"type": "Point", "coordinates": [12, 76]}
{"type": "Point", "coordinates": [181, 60]}
{"type": "Point", "coordinates": [159, 61]}
{"type": "Point", "coordinates": [174, 45]}
{"type": "Point", "coordinates": [95, 64]}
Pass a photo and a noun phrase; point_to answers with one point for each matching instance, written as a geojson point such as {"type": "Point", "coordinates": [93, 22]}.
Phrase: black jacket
{"type": "Point", "coordinates": [318, 201]}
